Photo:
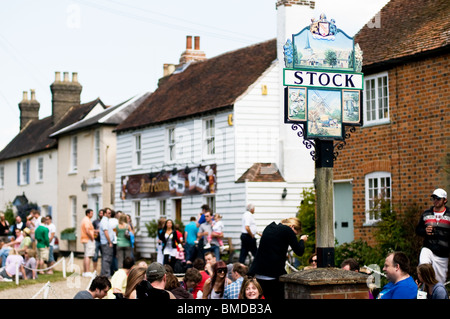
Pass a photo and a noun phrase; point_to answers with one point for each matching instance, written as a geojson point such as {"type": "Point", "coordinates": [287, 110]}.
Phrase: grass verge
{"type": "Point", "coordinates": [44, 278]}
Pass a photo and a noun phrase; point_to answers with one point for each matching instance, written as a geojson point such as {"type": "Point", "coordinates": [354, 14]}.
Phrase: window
{"type": "Point", "coordinates": [211, 202]}
{"type": "Point", "coordinates": [137, 214]}
{"type": "Point", "coordinates": [137, 150]}
{"type": "Point", "coordinates": [209, 137]}
{"type": "Point", "coordinates": [171, 144]}
{"type": "Point", "coordinates": [2, 176]}
{"type": "Point", "coordinates": [377, 99]}
{"type": "Point", "coordinates": [97, 149]}
{"type": "Point", "coordinates": [74, 154]}
{"type": "Point", "coordinates": [162, 208]}
{"type": "Point", "coordinates": [40, 169]}
{"type": "Point", "coordinates": [23, 172]}
{"type": "Point", "coordinates": [73, 210]}
{"type": "Point", "coordinates": [378, 188]}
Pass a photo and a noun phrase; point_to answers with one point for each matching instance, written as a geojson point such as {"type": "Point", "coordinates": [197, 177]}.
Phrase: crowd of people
{"type": "Point", "coordinates": [196, 254]}
{"type": "Point", "coordinates": [189, 264]}
{"type": "Point", "coordinates": [26, 246]}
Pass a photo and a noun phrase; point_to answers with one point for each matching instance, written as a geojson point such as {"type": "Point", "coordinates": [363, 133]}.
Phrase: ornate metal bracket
{"type": "Point", "coordinates": [308, 143]}
{"type": "Point", "coordinates": [338, 146]}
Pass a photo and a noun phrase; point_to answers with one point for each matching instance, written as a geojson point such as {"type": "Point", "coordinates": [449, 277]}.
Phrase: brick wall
{"type": "Point", "coordinates": [414, 147]}
{"type": "Point", "coordinates": [325, 283]}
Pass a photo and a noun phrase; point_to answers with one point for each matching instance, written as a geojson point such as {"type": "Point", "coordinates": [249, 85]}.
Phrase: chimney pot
{"type": "Point", "coordinates": [188, 42]}
{"type": "Point", "coordinates": [25, 96]}
{"type": "Point", "coordinates": [33, 95]}
{"type": "Point", "coordinates": [66, 76]}
{"type": "Point", "coordinates": [57, 76]}
{"type": "Point", "coordinates": [197, 43]}
{"type": "Point", "coordinates": [74, 77]}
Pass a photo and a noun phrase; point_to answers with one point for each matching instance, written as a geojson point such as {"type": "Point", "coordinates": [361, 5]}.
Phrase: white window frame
{"type": "Point", "coordinates": [171, 144]}
{"type": "Point", "coordinates": [210, 200]}
{"type": "Point", "coordinates": [136, 213]}
{"type": "Point", "coordinates": [73, 210]}
{"type": "Point", "coordinates": [376, 99]}
{"type": "Point", "coordinates": [40, 169]}
{"type": "Point", "coordinates": [24, 172]}
{"type": "Point", "coordinates": [163, 208]}
{"type": "Point", "coordinates": [74, 153]}
{"type": "Point", "coordinates": [376, 188]}
{"type": "Point", "coordinates": [96, 159]}
{"type": "Point", "coordinates": [137, 150]}
{"type": "Point", "coordinates": [209, 137]}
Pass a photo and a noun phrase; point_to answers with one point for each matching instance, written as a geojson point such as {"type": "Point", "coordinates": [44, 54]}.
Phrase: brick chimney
{"type": "Point", "coordinates": [192, 54]}
{"type": "Point", "coordinates": [65, 94]}
{"type": "Point", "coordinates": [29, 109]}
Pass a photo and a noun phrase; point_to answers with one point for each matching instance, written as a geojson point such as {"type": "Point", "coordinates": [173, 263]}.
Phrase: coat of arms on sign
{"type": "Point", "coordinates": [322, 28]}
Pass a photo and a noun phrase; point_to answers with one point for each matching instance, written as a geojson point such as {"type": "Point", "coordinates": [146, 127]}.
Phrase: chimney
{"type": "Point", "coordinates": [168, 69]}
{"type": "Point", "coordinates": [192, 55]}
{"type": "Point", "coordinates": [65, 94]}
{"type": "Point", "coordinates": [29, 109]}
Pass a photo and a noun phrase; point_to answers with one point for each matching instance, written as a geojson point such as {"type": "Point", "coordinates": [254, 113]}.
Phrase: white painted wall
{"type": "Point", "coordinates": [42, 192]}
{"type": "Point", "coordinates": [298, 166]}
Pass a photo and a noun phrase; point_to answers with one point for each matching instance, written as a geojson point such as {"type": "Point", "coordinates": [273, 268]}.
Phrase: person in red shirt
{"type": "Point", "coordinates": [199, 264]}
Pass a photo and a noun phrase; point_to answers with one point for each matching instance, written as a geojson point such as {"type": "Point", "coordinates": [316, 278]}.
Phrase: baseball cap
{"type": "Point", "coordinates": [155, 271]}
{"type": "Point", "coordinates": [439, 192]}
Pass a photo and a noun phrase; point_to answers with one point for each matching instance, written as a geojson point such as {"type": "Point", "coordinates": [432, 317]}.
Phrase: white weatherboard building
{"type": "Point", "coordinates": [224, 115]}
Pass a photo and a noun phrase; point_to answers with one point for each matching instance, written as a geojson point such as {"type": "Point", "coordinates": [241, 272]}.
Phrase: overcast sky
{"type": "Point", "coordinates": [118, 47]}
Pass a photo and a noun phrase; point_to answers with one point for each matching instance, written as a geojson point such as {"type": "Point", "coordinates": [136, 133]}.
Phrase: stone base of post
{"type": "Point", "coordinates": [325, 283]}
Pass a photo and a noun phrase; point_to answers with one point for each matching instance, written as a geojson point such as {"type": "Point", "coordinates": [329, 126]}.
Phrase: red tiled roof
{"type": "Point", "coordinates": [262, 172]}
{"type": "Point", "coordinates": [406, 28]}
{"type": "Point", "coordinates": [204, 86]}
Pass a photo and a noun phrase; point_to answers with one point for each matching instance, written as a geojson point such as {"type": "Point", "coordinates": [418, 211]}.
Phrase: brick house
{"type": "Point", "coordinates": [402, 151]}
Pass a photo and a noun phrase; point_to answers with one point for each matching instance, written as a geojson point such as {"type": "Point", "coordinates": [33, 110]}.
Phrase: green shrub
{"type": "Point", "coordinates": [307, 216]}
{"type": "Point", "coordinates": [394, 232]}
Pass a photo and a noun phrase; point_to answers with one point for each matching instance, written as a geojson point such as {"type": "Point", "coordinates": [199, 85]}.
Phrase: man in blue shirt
{"type": "Point", "coordinates": [401, 285]}
{"type": "Point", "coordinates": [237, 273]}
{"type": "Point", "coordinates": [190, 235]}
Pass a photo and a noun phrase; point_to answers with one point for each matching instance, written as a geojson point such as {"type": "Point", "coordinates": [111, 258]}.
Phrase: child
{"type": "Point", "coordinates": [217, 229]}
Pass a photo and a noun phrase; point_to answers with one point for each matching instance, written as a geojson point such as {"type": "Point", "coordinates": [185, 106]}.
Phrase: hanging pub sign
{"type": "Point", "coordinates": [193, 181]}
{"type": "Point", "coordinates": [323, 80]}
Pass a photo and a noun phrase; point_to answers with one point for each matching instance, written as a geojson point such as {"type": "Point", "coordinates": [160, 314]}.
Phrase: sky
{"type": "Point", "coordinates": [119, 47]}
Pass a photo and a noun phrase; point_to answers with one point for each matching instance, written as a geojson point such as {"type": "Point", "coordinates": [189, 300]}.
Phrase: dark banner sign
{"type": "Point", "coordinates": [194, 181]}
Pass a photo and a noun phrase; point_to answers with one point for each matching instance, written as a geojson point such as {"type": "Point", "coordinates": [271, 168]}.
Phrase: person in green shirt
{"type": "Point", "coordinates": [43, 244]}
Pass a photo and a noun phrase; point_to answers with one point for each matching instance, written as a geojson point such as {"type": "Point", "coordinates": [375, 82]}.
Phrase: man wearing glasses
{"type": "Point", "coordinates": [434, 226]}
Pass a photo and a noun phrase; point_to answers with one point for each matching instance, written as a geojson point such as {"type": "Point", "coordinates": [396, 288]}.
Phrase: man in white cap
{"type": "Point", "coordinates": [434, 226]}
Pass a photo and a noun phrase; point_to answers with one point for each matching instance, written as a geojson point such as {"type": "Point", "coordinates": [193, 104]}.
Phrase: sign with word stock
{"type": "Point", "coordinates": [323, 80]}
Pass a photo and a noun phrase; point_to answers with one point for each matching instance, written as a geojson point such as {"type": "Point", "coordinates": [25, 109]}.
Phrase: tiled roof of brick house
{"type": "Point", "coordinates": [204, 86]}
{"type": "Point", "coordinates": [406, 29]}
{"type": "Point", "coordinates": [34, 137]}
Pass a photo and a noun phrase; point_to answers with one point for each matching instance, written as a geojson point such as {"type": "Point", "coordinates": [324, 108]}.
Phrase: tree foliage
{"type": "Point", "coordinates": [394, 232]}
{"type": "Point", "coordinates": [307, 216]}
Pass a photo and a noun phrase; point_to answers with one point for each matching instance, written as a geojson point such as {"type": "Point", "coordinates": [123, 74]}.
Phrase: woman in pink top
{"type": "Point", "coordinates": [12, 261]}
